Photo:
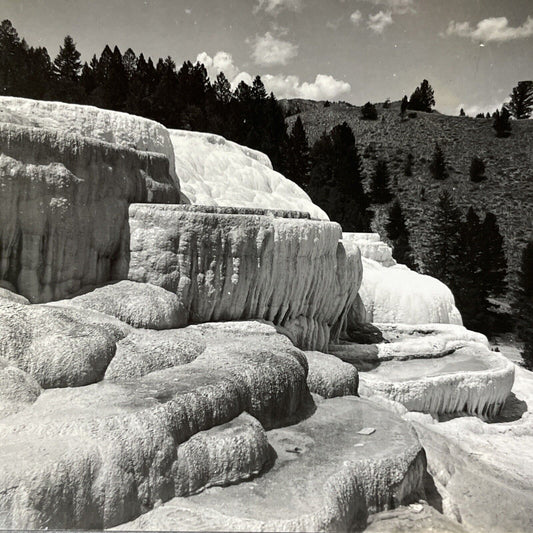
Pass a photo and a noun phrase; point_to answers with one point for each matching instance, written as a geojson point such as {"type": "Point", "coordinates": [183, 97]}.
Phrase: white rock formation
{"type": "Point", "coordinates": [329, 376]}
{"type": "Point", "coordinates": [120, 129]}
{"type": "Point", "coordinates": [214, 171]}
{"type": "Point", "coordinates": [483, 470]}
{"type": "Point", "coordinates": [99, 455]}
{"type": "Point", "coordinates": [227, 264]}
{"type": "Point", "coordinates": [64, 207]}
{"type": "Point", "coordinates": [394, 293]}
{"type": "Point", "coordinates": [327, 477]}
{"type": "Point", "coordinates": [471, 380]}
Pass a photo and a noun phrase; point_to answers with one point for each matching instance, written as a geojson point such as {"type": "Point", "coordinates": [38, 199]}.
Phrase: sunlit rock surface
{"type": "Point", "coordinates": [471, 380]}
{"type": "Point", "coordinates": [330, 377]}
{"type": "Point", "coordinates": [394, 293]}
{"type": "Point", "coordinates": [327, 477]}
{"type": "Point", "coordinates": [482, 470]}
{"type": "Point", "coordinates": [121, 129]}
{"type": "Point", "coordinates": [141, 305]}
{"type": "Point", "coordinates": [214, 171]}
{"type": "Point", "coordinates": [231, 264]}
{"type": "Point", "coordinates": [17, 388]}
{"type": "Point", "coordinates": [433, 368]}
{"type": "Point", "coordinates": [99, 455]}
{"type": "Point", "coordinates": [64, 207]}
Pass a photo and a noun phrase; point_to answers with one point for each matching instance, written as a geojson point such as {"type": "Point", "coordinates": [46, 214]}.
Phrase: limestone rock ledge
{"type": "Point", "coordinates": [100, 455]}
{"type": "Point", "coordinates": [327, 477]}
{"type": "Point", "coordinates": [236, 265]}
{"type": "Point", "coordinates": [64, 207]}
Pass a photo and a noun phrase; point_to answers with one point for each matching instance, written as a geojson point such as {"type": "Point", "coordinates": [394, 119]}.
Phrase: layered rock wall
{"type": "Point", "coordinates": [64, 207]}
{"type": "Point", "coordinates": [233, 266]}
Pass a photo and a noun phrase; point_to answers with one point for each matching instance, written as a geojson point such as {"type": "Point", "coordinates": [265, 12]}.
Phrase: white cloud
{"type": "Point", "coordinates": [356, 17]}
{"type": "Point", "coordinates": [268, 50]}
{"type": "Point", "coordinates": [378, 22]}
{"type": "Point", "coordinates": [396, 6]}
{"type": "Point", "coordinates": [495, 29]}
{"type": "Point", "coordinates": [325, 87]}
{"type": "Point", "coordinates": [221, 62]}
{"type": "Point", "coordinates": [275, 7]}
{"type": "Point", "coordinates": [242, 76]}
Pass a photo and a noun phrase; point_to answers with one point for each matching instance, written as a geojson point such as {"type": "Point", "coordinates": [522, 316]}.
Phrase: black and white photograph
{"type": "Point", "coordinates": [266, 265]}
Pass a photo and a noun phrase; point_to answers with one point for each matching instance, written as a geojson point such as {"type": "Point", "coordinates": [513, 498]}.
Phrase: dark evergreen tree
{"type": "Point", "coordinates": [380, 183]}
{"type": "Point", "coordinates": [12, 60]}
{"type": "Point", "coordinates": [296, 156]}
{"type": "Point", "coordinates": [477, 170]}
{"type": "Point", "coordinates": [521, 104]}
{"type": "Point", "coordinates": [37, 74]}
{"type": "Point", "coordinates": [493, 261]}
{"type": "Point", "coordinates": [335, 179]}
{"type": "Point", "coordinates": [442, 251]}
{"type": "Point", "coordinates": [408, 169]}
{"type": "Point", "coordinates": [369, 112]}
{"type": "Point", "coordinates": [462, 113]}
{"type": "Point", "coordinates": [423, 98]}
{"type": "Point", "coordinates": [222, 89]}
{"type": "Point", "coordinates": [437, 166]}
{"type": "Point", "coordinates": [467, 282]}
{"type": "Point", "coordinates": [523, 305]}
{"type": "Point", "coordinates": [398, 233]}
{"type": "Point", "coordinates": [404, 105]}
{"type": "Point", "coordinates": [501, 123]}
{"type": "Point", "coordinates": [67, 64]}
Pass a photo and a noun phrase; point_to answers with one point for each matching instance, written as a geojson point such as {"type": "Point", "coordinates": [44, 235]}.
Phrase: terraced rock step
{"type": "Point", "coordinates": [470, 380]}
{"type": "Point", "coordinates": [326, 475]}
{"type": "Point", "coordinates": [98, 455]}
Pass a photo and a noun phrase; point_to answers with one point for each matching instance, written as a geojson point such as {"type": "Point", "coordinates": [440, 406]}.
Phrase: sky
{"type": "Point", "coordinates": [473, 52]}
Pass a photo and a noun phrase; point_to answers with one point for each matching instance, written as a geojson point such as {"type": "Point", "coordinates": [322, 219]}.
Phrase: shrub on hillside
{"type": "Point", "coordinates": [502, 123]}
{"type": "Point", "coordinates": [369, 112]}
{"type": "Point", "coordinates": [477, 170]}
{"type": "Point", "coordinates": [437, 166]}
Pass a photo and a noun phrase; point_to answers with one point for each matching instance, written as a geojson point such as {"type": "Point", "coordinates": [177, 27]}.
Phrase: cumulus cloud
{"type": "Point", "coordinates": [275, 7]}
{"type": "Point", "coordinates": [378, 22]}
{"type": "Point", "coordinates": [495, 29]}
{"type": "Point", "coordinates": [221, 62]}
{"type": "Point", "coordinates": [396, 6]}
{"type": "Point", "coordinates": [241, 76]}
{"type": "Point", "coordinates": [325, 87]}
{"type": "Point", "coordinates": [269, 50]}
{"type": "Point", "coordinates": [356, 17]}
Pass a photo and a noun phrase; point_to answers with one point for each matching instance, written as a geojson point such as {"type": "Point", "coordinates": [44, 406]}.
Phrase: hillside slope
{"type": "Point", "coordinates": [507, 191]}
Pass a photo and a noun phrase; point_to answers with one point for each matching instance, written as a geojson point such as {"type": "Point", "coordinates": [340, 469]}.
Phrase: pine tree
{"type": "Point", "coordinates": [477, 170]}
{"type": "Point", "coordinates": [467, 284]}
{"type": "Point", "coordinates": [442, 252]}
{"type": "Point", "coordinates": [408, 169]}
{"type": "Point", "coordinates": [523, 305]}
{"type": "Point", "coordinates": [398, 233]}
{"type": "Point", "coordinates": [67, 64]}
{"type": "Point", "coordinates": [296, 157]}
{"type": "Point", "coordinates": [462, 113]}
{"type": "Point", "coordinates": [380, 183]}
{"type": "Point", "coordinates": [423, 98]}
{"type": "Point", "coordinates": [437, 166]}
{"type": "Point", "coordinates": [493, 261]}
{"type": "Point", "coordinates": [405, 103]}
{"type": "Point", "coordinates": [521, 104]}
{"type": "Point", "coordinates": [369, 112]}
{"type": "Point", "coordinates": [12, 60]}
{"type": "Point", "coordinates": [501, 123]}
{"type": "Point", "coordinates": [222, 88]}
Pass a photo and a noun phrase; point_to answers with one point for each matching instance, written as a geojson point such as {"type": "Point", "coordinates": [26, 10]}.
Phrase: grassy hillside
{"type": "Point", "coordinates": [507, 191]}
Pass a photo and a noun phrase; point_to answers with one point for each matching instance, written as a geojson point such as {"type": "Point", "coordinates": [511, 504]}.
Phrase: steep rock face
{"type": "Point", "coordinates": [234, 266]}
{"type": "Point", "coordinates": [214, 171]}
{"type": "Point", "coordinates": [394, 293]}
{"type": "Point", "coordinates": [63, 207]}
{"type": "Point", "coordinates": [122, 129]}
